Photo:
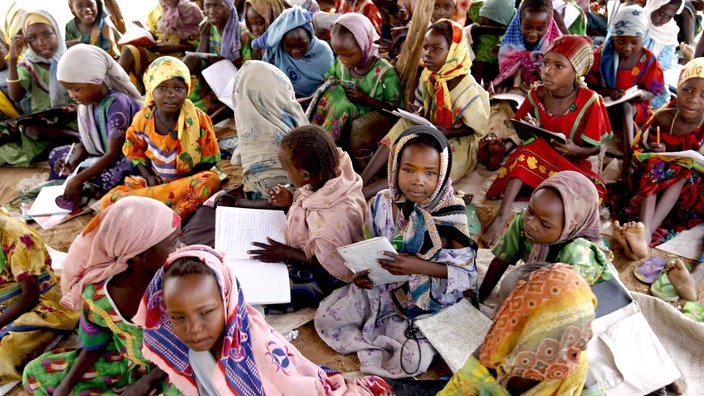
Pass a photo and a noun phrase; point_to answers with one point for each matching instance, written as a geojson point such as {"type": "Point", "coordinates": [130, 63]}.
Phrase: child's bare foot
{"type": "Point", "coordinates": [493, 232]}
{"type": "Point", "coordinates": [634, 233]}
{"type": "Point", "coordinates": [621, 239]}
{"type": "Point", "coordinates": [679, 277]}
{"type": "Point", "coordinates": [491, 152]}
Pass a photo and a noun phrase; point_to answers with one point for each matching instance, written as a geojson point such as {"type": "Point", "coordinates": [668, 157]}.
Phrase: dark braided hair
{"type": "Point", "coordinates": [185, 266]}
{"type": "Point", "coordinates": [444, 28]}
{"type": "Point", "coordinates": [536, 6]}
{"type": "Point", "coordinates": [312, 149]}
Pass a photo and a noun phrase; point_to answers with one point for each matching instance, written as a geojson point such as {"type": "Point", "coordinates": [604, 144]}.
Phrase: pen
{"type": "Point", "coordinates": [658, 135]}
{"type": "Point", "coordinates": [67, 158]}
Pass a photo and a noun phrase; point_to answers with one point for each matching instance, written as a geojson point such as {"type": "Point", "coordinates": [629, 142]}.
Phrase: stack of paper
{"type": "Point", "coordinates": [364, 255]}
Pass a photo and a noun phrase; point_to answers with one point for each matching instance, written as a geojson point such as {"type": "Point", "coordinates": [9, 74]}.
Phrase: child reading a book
{"type": "Point", "coordinates": [202, 333]}
{"type": "Point", "coordinates": [326, 211]}
{"type": "Point", "coordinates": [105, 274]}
{"type": "Point", "coordinates": [562, 103]}
{"type": "Point", "coordinates": [670, 188]}
{"type": "Point", "coordinates": [258, 16]}
{"type": "Point", "coordinates": [621, 63]}
{"type": "Point", "coordinates": [357, 82]}
{"type": "Point", "coordinates": [107, 101]}
{"type": "Point", "coordinates": [91, 25]}
{"type": "Point", "coordinates": [171, 143]}
{"type": "Point", "coordinates": [427, 223]}
{"type": "Point", "coordinates": [30, 313]}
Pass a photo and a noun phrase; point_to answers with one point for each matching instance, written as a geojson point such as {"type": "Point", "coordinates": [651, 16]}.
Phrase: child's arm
{"type": "Point", "coordinates": [277, 252]}
{"type": "Point", "coordinates": [27, 299]}
{"type": "Point", "coordinates": [149, 176]}
{"type": "Point", "coordinates": [145, 384]}
{"type": "Point", "coordinates": [570, 149]}
{"type": "Point", "coordinates": [491, 279]}
{"type": "Point", "coordinates": [85, 360]}
{"type": "Point", "coordinates": [14, 87]}
{"type": "Point", "coordinates": [410, 264]}
{"type": "Point", "coordinates": [356, 95]}
{"type": "Point", "coordinates": [72, 191]}
{"type": "Point", "coordinates": [450, 133]}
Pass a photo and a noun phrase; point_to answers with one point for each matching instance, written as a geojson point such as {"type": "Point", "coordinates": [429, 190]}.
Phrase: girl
{"type": "Point", "coordinates": [670, 188]}
{"type": "Point", "coordinates": [105, 274]}
{"type": "Point", "coordinates": [325, 212]}
{"type": "Point", "coordinates": [32, 83]}
{"type": "Point", "coordinates": [560, 104]}
{"type": "Point", "coordinates": [30, 314]}
{"type": "Point", "coordinates": [107, 101]}
{"type": "Point", "coordinates": [233, 350]}
{"type": "Point", "coordinates": [171, 143]}
{"type": "Point", "coordinates": [449, 97]}
{"type": "Point", "coordinates": [258, 16]}
{"type": "Point", "coordinates": [455, 10]}
{"type": "Point", "coordinates": [428, 225]}
{"type": "Point", "coordinates": [527, 37]}
{"type": "Point", "coordinates": [494, 18]}
{"type": "Point", "coordinates": [357, 82]}
{"type": "Point", "coordinates": [364, 7]}
{"type": "Point", "coordinates": [91, 25]}
{"type": "Point", "coordinates": [620, 63]}
{"type": "Point", "coordinates": [532, 320]}
{"type": "Point", "coordinates": [291, 45]}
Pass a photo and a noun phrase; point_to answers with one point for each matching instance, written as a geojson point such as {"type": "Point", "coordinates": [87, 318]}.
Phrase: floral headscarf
{"type": "Point", "coordinates": [578, 51]}
{"type": "Point", "coordinates": [629, 21]}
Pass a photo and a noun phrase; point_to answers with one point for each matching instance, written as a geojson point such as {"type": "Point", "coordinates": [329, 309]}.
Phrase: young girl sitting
{"type": "Point", "coordinates": [105, 274]}
{"type": "Point", "coordinates": [30, 314]}
{"type": "Point", "coordinates": [291, 45]}
{"type": "Point", "coordinates": [202, 333]}
{"type": "Point", "coordinates": [427, 223]}
{"type": "Point", "coordinates": [669, 188]}
{"type": "Point", "coordinates": [620, 63]}
{"type": "Point", "coordinates": [357, 82]}
{"type": "Point", "coordinates": [325, 212]}
{"type": "Point", "coordinates": [449, 97]}
{"type": "Point", "coordinates": [171, 143]}
{"type": "Point", "coordinates": [91, 25]}
{"type": "Point", "coordinates": [107, 101]}
{"type": "Point", "coordinates": [560, 104]}
{"type": "Point", "coordinates": [258, 16]}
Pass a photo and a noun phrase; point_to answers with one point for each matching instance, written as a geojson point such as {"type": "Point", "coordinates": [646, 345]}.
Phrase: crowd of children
{"type": "Point", "coordinates": [131, 126]}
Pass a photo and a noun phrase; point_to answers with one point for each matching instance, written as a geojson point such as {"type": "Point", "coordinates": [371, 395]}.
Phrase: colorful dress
{"type": "Point", "coordinates": [364, 7]}
{"type": "Point", "coordinates": [586, 122]}
{"type": "Point", "coordinates": [101, 327]}
{"type": "Point", "coordinates": [249, 53]}
{"type": "Point", "coordinates": [103, 34]}
{"type": "Point", "coordinates": [23, 255]}
{"type": "Point", "coordinates": [335, 113]}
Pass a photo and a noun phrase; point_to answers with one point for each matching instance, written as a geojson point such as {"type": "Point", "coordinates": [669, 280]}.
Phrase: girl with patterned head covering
{"type": "Point", "coordinates": [562, 104]}
{"type": "Point", "coordinates": [171, 143]}
{"type": "Point", "coordinates": [426, 222]}
{"type": "Point", "coordinates": [258, 16]}
{"type": "Point", "coordinates": [621, 63]}
{"type": "Point", "coordinates": [358, 82]}
{"type": "Point", "coordinates": [550, 309]}
{"type": "Point", "coordinates": [92, 25]}
{"type": "Point", "coordinates": [236, 357]}
{"type": "Point", "coordinates": [107, 269]}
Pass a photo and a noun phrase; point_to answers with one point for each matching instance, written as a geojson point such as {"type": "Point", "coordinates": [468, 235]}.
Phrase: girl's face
{"type": "Point", "coordinates": [255, 22]}
{"type": "Point", "coordinates": [627, 46]}
{"type": "Point", "coordinates": [216, 11]}
{"type": "Point", "coordinates": [663, 14]}
{"type": "Point", "coordinates": [534, 24]}
{"type": "Point", "coordinates": [85, 93]}
{"type": "Point", "coordinates": [443, 9]}
{"type": "Point", "coordinates": [170, 95]}
{"type": "Point", "coordinates": [556, 71]}
{"type": "Point", "coordinates": [545, 218]}
{"type": "Point", "coordinates": [347, 50]}
{"type": "Point", "coordinates": [297, 177]}
{"type": "Point", "coordinates": [690, 99]}
{"type": "Point", "coordinates": [196, 311]}
{"type": "Point", "coordinates": [85, 10]}
{"type": "Point", "coordinates": [435, 50]}
{"type": "Point", "coordinates": [419, 172]}
{"type": "Point", "coordinates": [42, 38]}
{"type": "Point", "coordinates": [156, 256]}
{"type": "Point", "coordinates": [296, 43]}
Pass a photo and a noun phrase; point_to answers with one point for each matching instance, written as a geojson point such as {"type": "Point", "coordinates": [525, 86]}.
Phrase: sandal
{"type": "Point", "coordinates": [650, 269]}
{"type": "Point", "coordinates": [694, 310]}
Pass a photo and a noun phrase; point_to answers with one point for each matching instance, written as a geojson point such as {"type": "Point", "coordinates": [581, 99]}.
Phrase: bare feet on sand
{"type": "Point", "coordinates": [681, 279]}
{"type": "Point", "coordinates": [632, 237]}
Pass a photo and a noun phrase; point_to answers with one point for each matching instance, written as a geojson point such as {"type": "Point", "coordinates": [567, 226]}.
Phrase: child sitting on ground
{"type": "Point", "coordinates": [427, 223]}
{"type": "Point", "coordinates": [325, 212]}
{"type": "Point", "coordinates": [231, 349]}
{"type": "Point", "coordinates": [258, 16]}
{"type": "Point", "coordinates": [494, 18]}
{"type": "Point", "coordinates": [662, 39]}
{"type": "Point", "coordinates": [91, 25]}
{"type": "Point", "coordinates": [171, 143]}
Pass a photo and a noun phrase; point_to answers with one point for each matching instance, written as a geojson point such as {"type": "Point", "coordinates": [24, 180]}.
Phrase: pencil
{"type": "Point", "coordinates": [658, 135]}
{"type": "Point", "coordinates": [67, 158]}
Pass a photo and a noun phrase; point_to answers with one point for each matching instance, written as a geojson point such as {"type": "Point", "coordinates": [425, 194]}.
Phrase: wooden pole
{"type": "Point", "coordinates": [115, 15]}
{"type": "Point", "coordinates": [407, 64]}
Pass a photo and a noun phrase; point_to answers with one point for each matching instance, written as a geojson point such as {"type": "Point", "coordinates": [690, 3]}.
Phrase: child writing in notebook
{"type": "Point", "coordinates": [421, 215]}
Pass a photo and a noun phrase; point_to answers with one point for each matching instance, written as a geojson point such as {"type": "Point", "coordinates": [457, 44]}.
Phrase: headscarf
{"type": "Point", "coordinates": [255, 360]}
{"type": "Point", "coordinates": [629, 21]}
{"type": "Point", "coordinates": [307, 73]}
{"type": "Point", "coordinates": [580, 201]}
{"type": "Point", "coordinates": [166, 68]}
{"type": "Point", "coordinates": [363, 32]}
{"type": "Point", "coordinates": [102, 32]}
{"type": "Point", "coordinates": [231, 39]}
{"type": "Point", "coordinates": [456, 64]}
{"type": "Point", "coordinates": [500, 11]}
{"type": "Point", "coordinates": [269, 10]}
{"type": "Point", "coordinates": [88, 64]}
{"type": "Point", "coordinates": [514, 56]}
{"type": "Point", "coordinates": [57, 93]}
{"type": "Point", "coordinates": [578, 51]}
{"type": "Point", "coordinates": [536, 332]}
{"type": "Point", "coordinates": [423, 224]}
{"type": "Point", "coordinates": [309, 5]}
{"type": "Point", "coordinates": [666, 34]}
{"type": "Point", "coordinates": [265, 110]}
{"type": "Point", "coordinates": [125, 229]}
{"type": "Point", "coordinates": [182, 20]}
{"type": "Point", "coordinates": [693, 69]}
{"type": "Point", "coordinates": [460, 13]}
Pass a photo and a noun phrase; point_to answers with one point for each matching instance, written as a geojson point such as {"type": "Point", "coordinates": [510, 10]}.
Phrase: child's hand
{"type": "Point", "coordinates": [153, 180]}
{"type": "Point", "coordinates": [355, 95]}
{"type": "Point", "coordinates": [640, 96]}
{"type": "Point", "coordinates": [72, 190]}
{"type": "Point", "coordinates": [569, 149]}
{"type": "Point", "coordinates": [63, 167]}
{"type": "Point", "coordinates": [617, 94]}
{"type": "Point", "coordinates": [361, 280]}
{"type": "Point", "coordinates": [402, 263]}
{"type": "Point", "coordinates": [16, 46]}
{"type": "Point", "coordinates": [205, 30]}
{"type": "Point", "coordinates": [280, 196]}
{"type": "Point", "coordinates": [656, 147]}
{"type": "Point", "coordinates": [274, 252]}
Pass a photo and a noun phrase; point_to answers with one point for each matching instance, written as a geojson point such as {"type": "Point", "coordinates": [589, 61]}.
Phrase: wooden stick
{"type": "Point", "coordinates": [408, 61]}
{"type": "Point", "coordinates": [658, 135]}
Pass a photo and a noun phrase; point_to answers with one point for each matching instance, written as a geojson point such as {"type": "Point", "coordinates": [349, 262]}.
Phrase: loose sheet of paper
{"type": "Point", "coordinates": [45, 204]}
{"type": "Point", "coordinates": [629, 94]}
{"type": "Point", "coordinates": [363, 255]}
{"type": "Point", "coordinates": [221, 78]}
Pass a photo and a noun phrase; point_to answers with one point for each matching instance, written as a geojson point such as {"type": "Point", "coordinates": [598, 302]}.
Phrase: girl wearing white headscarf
{"type": "Point", "coordinates": [662, 38]}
